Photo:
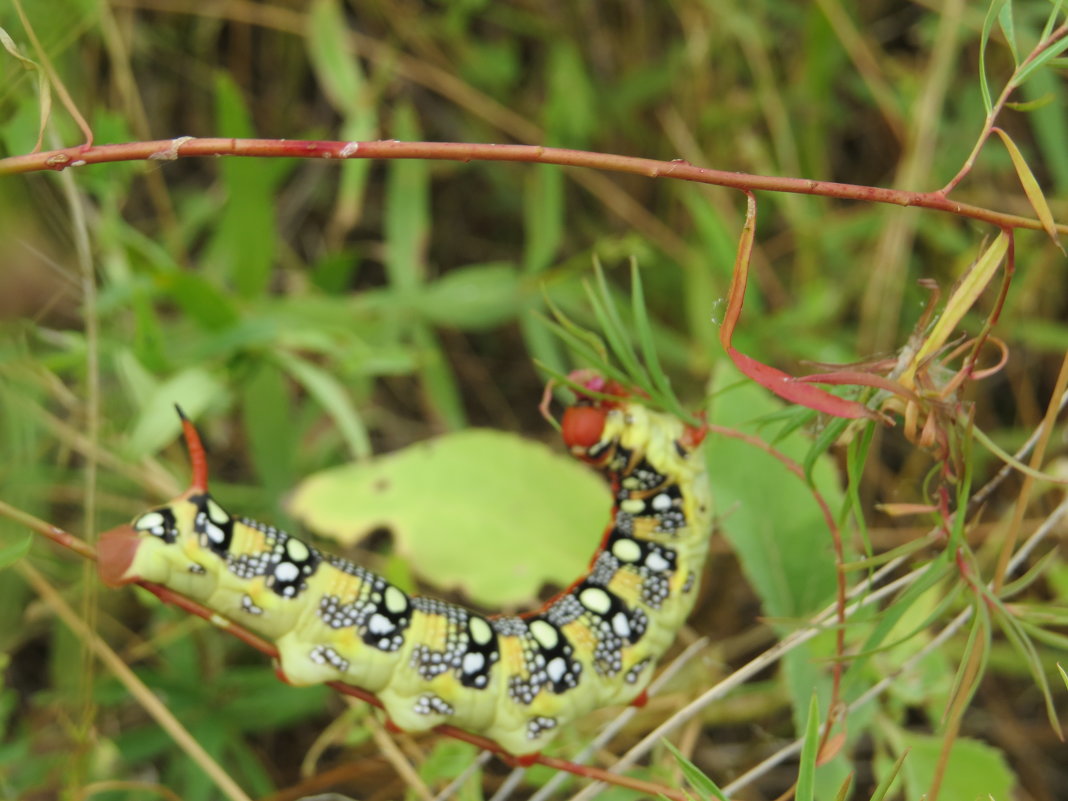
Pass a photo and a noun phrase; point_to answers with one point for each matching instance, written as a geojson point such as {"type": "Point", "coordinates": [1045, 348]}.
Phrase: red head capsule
{"type": "Point", "coordinates": [115, 554]}
{"type": "Point", "coordinates": [583, 426]}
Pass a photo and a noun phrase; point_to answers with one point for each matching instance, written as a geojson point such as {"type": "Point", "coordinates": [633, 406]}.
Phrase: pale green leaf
{"type": "Point", "coordinates": [784, 547]}
{"type": "Point", "coordinates": [335, 67]}
{"type": "Point", "coordinates": [487, 512]}
{"type": "Point", "coordinates": [965, 294]}
{"type": "Point", "coordinates": [975, 769]}
{"type": "Point", "coordinates": [473, 298]}
{"type": "Point", "coordinates": [1030, 186]}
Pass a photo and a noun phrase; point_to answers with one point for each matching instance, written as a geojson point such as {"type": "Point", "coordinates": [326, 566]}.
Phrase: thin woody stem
{"type": "Point", "coordinates": [999, 106]}
{"type": "Point", "coordinates": [187, 146]}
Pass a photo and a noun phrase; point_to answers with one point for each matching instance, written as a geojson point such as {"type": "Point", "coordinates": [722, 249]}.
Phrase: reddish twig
{"type": "Point", "coordinates": [188, 146]}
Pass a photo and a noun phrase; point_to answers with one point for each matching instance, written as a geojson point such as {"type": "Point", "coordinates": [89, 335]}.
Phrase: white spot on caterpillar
{"type": "Point", "coordinates": [654, 561]}
{"type": "Point", "coordinates": [473, 662]}
{"type": "Point", "coordinates": [379, 624]}
{"type": "Point", "coordinates": [216, 513]}
{"type": "Point", "coordinates": [556, 669]}
{"type": "Point", "coordinates": [626, 550]}
{"type": "Point", "coordinates": [215, 534]}
{"type": "Point", "coordinates": [481, 633]}
{"type": "Point", "coordinates": [298, 551]}
{"type": "Point", "coordinates": [596, 600]}
{"type": "Point", "coordinates": [147, 521]}
{"type": "Point", "coordinates": [620, 624]}
{"type": "Point", "coordinates": [633, 506]}
{"type": "Point", "coordinates": [395, 600]}
{"type": "Point", "coordinates": [248, 605]}
{"type": "Point", "coordinates": [286, 572]}
{"type": "Point", "coordinates": [630, 482]}
{"type": "Point", "coordinates": [544, 633]}
{"type": "Point", "coordinates": [662, 502]}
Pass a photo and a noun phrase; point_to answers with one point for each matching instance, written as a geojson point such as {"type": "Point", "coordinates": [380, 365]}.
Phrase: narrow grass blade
{"type": "Point", "coordinates": [697, 779]}
{"type": "Point", "coordinates": [888, 780]}
{"type": "Point", "coordinates": [333, 397]}
{"type": "Point", "coordinates": [806, 774]}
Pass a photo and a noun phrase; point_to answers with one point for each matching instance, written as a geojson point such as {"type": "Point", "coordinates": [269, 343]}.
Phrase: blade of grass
{"type": "Point", "coordinates": [1026, 649]}
{"type": "Point", "coordinates": [806, 774]}
{"type": "Point", "coordinates": [615, 332]}
{"type": "Point", "coordinates": [334, 399]}
{"type": "Point", "coordinates": [697, 779]}
{"type": "Point", "coordinates": [888, 780]}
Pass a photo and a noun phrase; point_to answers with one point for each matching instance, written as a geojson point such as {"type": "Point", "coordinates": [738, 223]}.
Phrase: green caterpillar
{"type": "Point", "coordinates": [515, 679]}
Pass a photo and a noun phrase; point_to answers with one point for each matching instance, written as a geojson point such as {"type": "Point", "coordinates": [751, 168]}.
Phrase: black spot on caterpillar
{"type": "Point", "coordinates": [514, 679]}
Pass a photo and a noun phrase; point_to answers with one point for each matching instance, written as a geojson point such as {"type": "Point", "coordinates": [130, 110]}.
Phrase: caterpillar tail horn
{"type": "Point", "coordinates": [198, 459]}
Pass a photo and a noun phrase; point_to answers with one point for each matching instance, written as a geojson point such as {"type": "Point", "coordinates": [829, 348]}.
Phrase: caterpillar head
{"type": "Point", "coordinates": [606, 417]}
{"type": "Point", "coordinates": [129, 552]}
{"type": "Point", "coordinates": [583, 424]}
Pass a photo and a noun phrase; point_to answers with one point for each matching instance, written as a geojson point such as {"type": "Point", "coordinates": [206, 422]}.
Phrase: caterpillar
{"type": "Point", "coordinates": [516, 679]}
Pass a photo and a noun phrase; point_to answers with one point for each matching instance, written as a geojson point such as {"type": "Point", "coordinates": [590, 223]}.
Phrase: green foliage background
{"type": "Point", "coordinates": [309, 313]}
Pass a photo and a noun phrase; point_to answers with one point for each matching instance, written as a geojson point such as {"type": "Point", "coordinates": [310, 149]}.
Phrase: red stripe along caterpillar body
{"type": "Point", "coordinates": [514, 679]}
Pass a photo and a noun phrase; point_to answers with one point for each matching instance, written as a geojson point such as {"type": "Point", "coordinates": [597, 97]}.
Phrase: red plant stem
{"type": "Point", "coordinates": [83, 548]}
{"type": "Point", "coordinates": [183, 147]}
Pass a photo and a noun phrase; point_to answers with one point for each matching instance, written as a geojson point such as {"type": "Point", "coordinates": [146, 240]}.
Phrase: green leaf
{"type": "Point", "coordinates": [487, 512]}
{"type": "Point", "coordinates": [570, 112]}
{"type": "Point", "coordinates": [475, 297]}
{"type": "Point", "coordinates": [1039, 61]}
{"type": "Point", "coordinates": [543, 217]}
{"type": "Point", "coordinates": [806, 774]}
{"type": "Point", "coordinates": [1008, 27]}
{"type": "Point", "coordinates": [268, 420]}
{"type": "Point", "coordinates": [199, 298]}
{"type": "Point", "coordinates": [407, 212]}
{"type": "Point", "coordinates": [333, 397]}
{"type": "Point", "coordinates": [695, 776]}
{"type": "Point", "coordinates": [242, 249]}
{"type": "Point", "coordinates": [337, 71]}
{"type": "Point", "coordinates": [984, 39]}
{"type": "Point", "coordinates": [156, 424]}
{"type": "Point", "coordinates": [784, 547]}
{"type": "Point", "coordinates": [1031, 188]}
{"type": "Point", "coordinates": [13, 551]}
{"type": "Point", "coordinates": [888, 780]}
{"type": "Point", "coordinates": [975, 770]}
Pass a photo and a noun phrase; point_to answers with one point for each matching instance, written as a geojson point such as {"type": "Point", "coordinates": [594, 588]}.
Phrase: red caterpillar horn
{"type": "Point", "coordinates": [198, 459]}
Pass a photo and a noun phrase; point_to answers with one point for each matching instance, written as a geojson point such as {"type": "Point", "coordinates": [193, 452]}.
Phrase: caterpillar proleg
{"type": "Point", "coordinates": [515, 679]}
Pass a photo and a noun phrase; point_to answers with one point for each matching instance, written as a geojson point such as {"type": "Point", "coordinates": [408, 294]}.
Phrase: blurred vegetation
{"type": "Point", "coordinates": [309, 313]}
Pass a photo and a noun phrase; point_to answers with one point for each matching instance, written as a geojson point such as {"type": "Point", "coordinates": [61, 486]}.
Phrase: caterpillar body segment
{"type": "Point", "coordinates": [515, 679]}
